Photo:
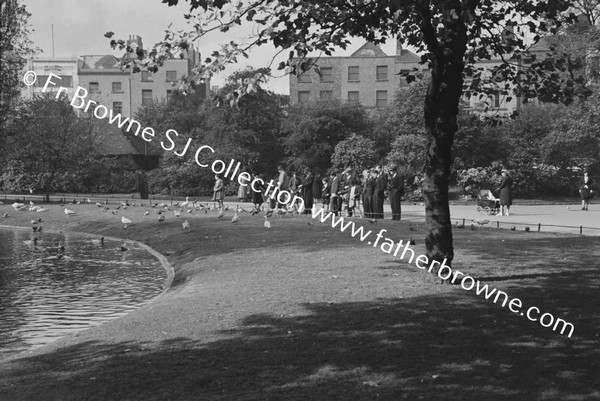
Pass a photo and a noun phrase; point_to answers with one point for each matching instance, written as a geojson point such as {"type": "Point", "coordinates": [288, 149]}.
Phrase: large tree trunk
{"type": "Point", "coordinates": [438, 240]}
{"type": "Point", "coordinates": [441, 111]}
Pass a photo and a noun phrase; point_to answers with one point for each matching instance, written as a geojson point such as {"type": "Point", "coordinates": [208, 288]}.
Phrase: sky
{"type": "Point", "coordinates": [79, 28]}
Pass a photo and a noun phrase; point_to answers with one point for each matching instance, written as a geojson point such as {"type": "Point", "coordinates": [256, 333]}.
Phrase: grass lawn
{"type": "Point", "coordinates": [304, 312]}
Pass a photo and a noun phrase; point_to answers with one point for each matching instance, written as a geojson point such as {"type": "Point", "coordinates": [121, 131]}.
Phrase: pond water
{"type": "Point", "coordinates": [46, 294]}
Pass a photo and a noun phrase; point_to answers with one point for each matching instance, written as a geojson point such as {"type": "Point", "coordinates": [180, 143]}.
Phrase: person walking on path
{"type": "Point", "coordinates": [396, 192]}
{"type": "Point", "coordinates": [585, 190]}
{"type": "Point", "coordinates": [505, 193]}
{"type": "Point", "coordinates": [219, 191]}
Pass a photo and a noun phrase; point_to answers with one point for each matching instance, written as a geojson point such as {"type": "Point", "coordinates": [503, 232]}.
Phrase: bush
{"type": "Point", "coordinates": [475, 179]}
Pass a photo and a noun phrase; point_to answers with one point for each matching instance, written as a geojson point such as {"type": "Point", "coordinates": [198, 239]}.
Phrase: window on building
{"type": "Point", "coordinates": [326, 95]}
{"type": "Point", "coordinates": [94, 87]}
{"type": "Point", "coordinates": [146, 96]}
{"type": "Point", "coordinates": [117, 87]}
{"type": "Point", "coordinates": [305, 78]}
{"type": "Point", "coordinates": [381, 99]}
{"type": "Point", "coordinates": [117, 107]}
{"type": "Point", "coordinates": [303, 96]}
{"type": "Point", "coordinates": [353, 97]}
{"type": "Point", "coordinates": [65, 80]}
{"type": "Point", "coordinates": [496, 100]}
{"type": "Point", "coordinates": [40, 81]}
{"type": "Point", "coordinates": [326, 74]}
{"type": "Point", "coordinates": [147, 76]}
{"type": "Point", "coordinates": [353, 73]}
{"type": "Point", "coordinates": [171, 76]}
{"type": "Point", "coordinates": [382, 73]}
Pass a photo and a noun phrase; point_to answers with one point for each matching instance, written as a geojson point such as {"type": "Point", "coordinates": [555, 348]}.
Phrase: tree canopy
{"type": "Point", "coordinates": [15, 47]}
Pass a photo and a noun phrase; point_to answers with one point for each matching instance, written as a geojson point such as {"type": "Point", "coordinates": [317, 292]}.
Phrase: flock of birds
{"type": "Point", "coordinates": [162, 209]}
{"type": "Point", "coordinates": [180, 209]}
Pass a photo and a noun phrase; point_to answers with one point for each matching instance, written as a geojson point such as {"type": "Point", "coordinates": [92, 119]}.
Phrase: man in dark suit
{"type": "Point", "coordinates": [306, 186]}
{"type": "Point", "coordinates": [367, 193]}
{"type": "Point", "coordinates": [334, 205]}
{"type": "Point", "coordinates": [396, 186]}
{"type": "Point", "coordinates": [379, 193]}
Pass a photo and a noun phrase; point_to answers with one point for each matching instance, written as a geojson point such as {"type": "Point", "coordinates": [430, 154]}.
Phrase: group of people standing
{"type": "Point", "coordinates": [378, 184]}
{"type": "Point", "coordinates": [345, 191]}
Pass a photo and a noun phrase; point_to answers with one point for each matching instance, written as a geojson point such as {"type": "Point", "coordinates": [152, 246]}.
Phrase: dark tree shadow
{"type": "Point", "coordinates": [446, 347]}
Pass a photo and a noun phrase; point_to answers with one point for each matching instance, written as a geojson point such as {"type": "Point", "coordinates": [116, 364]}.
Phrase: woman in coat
{"type": "Point", "coordinates": [505, 193]}
{"type": "Point", "coordinates": [585, 190]}
{"type": "Point", "coordinates": [219, 191]}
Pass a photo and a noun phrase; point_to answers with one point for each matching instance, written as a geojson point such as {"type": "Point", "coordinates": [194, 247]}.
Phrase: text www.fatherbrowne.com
{"type": "Point", "coordinates": [444, 272]}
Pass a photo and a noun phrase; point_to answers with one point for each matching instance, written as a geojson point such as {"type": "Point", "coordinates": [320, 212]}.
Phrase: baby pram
{"type": "Point", "coordinates": [487, 203]}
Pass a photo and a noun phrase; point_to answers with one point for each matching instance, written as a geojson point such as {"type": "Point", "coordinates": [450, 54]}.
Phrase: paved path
{"type": "Point", "coordinates": [556, 218]}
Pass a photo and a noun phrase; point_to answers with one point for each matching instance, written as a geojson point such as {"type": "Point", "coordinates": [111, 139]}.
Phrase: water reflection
{"type": "Point", "coordinates": [46, 294]}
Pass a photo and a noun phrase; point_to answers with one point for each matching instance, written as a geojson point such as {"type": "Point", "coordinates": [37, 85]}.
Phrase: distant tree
{"type": "Point", "coordinates": [15, 47]}
{"type": "Point", "coordinates": [47, 143]}
{"type": "Point", "coordinates": [311, 131]}
{"type": "Point", "coordinates": [451, 34]}
{"type": "Point", "coordinates": [356, 151]}
{"type": "Point", "coordinates": [248, 133]}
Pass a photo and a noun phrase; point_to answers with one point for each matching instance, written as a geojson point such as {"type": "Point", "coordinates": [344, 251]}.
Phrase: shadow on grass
{"type": "Point", "coordinates": [447, 347]}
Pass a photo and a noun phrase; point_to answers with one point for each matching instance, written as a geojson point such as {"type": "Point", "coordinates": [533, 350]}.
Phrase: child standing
{"type": "Point", "coordinates": [219, 192]}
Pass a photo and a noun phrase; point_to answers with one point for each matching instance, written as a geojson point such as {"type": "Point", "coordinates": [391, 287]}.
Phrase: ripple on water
{"type": "Point", "coordinates": [44, 296]}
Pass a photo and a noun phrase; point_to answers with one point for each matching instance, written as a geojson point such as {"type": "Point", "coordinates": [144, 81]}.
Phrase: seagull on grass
{"type": "Point", "coordinates": [221, 214]}
{"type": "Point", "coordinates": [69, 212]}
{"type": "Point", "coordinates": [184, 204]}
{"type": "Point", "coordinates": [267, 223]}
{"type": "Point", "coordinates": [161, 218]}
{"type": "Point", "coordinates": [185, 225]}
{"type": "Point", "coordinates": [235, 218]}
{"type": "Point", "coordinates": [126, 221]}
{"type": "Point", "coordinates": [18, 206]}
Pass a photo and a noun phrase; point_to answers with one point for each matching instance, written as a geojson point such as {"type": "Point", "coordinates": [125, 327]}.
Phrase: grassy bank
{"type": "Point", "coordinates": [304, 312]}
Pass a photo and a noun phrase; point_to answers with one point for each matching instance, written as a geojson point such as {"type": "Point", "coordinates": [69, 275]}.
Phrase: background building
{"type": "Point", "coordinates": [120, 90]}
{"type": "Point", "coordinates": [106, 83]}
{"type": "Point", "coordinates": [368, 76]}
{"type": "Point", "coordinates": [64, 67]}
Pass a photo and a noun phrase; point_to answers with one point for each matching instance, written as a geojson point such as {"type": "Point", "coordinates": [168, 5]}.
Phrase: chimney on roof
{"type": "Point", "coordinates": [398, 46]}
{"type": "Point", "coordinates": [135, 39]}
